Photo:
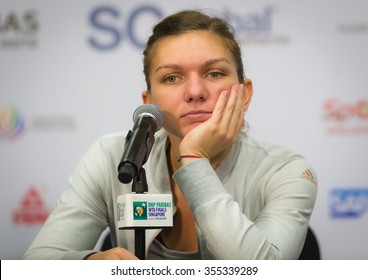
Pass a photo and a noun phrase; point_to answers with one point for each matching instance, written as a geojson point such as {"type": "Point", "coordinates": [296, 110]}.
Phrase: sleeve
{"type": "Point", "coordinates": [278, 231]}
{"type": "Point", "coordinates": [73, 228]}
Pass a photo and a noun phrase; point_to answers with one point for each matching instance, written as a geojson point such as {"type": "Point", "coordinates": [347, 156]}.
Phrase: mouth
{"type": "Point", "coordinates": [197, 116]}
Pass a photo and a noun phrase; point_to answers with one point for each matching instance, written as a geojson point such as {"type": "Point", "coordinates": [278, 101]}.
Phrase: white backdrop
{"type": "Point", "coordinates": [71, 71]}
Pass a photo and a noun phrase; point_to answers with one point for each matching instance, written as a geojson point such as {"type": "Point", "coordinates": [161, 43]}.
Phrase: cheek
{"type": "Point", "coordinates": [168, 107]}
{"type": "Point", "coordinates": [218, 89]}
{"type": "Point", "coordinates": [166, 100]}
{"type": "Point", "coordinates": [162, 103]}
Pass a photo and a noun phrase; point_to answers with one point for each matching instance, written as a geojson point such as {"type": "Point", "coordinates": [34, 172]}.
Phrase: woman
{"type": "Point", "coordinates": [235, 197]}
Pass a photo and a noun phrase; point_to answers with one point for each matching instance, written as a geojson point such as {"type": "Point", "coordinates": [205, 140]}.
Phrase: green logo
{"type": "Point", "coordinates": [140, 210]}
{"type": "Point", "coordinates": [121, 211]}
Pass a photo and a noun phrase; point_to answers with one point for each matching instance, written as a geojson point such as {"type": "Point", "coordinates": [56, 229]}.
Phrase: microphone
{"type": "Point", "coordinates": [147, 120]}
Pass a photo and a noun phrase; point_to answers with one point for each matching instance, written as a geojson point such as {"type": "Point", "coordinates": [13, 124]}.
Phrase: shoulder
{"type": "Point", "coordinates": [266, 150]}
{"type": "Point", "coordinates": [275, 158]}
{"type": "Point", "coordinates": [113, 143]}
{"type": "Point", "coordinates": [118, 137]}
{"type": "Point", "coordinates": [107, 144]}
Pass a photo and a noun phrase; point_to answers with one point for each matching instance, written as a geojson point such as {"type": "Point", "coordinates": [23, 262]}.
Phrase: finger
{"type": "Point", "coordinates": [237, 118]}
{"type": "Point", "coordinates": [230, 109]}
{"type": "Point", "coordinates": [218, 111]}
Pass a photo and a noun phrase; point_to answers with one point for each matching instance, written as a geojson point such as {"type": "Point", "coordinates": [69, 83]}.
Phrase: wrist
{"type": "Point", "coordinates": [187, 158]}
{"type": "Point", "coordinates": [191, 156]}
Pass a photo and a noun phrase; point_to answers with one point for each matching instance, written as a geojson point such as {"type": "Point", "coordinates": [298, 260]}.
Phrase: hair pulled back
{"type": "Point", "coordinates": [188, 21]}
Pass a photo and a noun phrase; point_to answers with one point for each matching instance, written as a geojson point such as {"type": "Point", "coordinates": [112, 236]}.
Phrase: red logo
{"type": "Point", "coordinates": [343, 111]}
{"type": "Point", "coordinates": [346, 118]}
{"type": "Point", "coordinates": [307, 175]}
{"type": "Point", "coordinates": [32, 209]}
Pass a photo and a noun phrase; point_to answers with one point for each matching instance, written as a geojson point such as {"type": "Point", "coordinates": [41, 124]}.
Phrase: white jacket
{"type": "Point", "coordinates": [255, 205]}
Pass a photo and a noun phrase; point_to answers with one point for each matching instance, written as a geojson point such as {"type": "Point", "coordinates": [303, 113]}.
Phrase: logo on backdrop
{"type": "Point", "coordinates": [348, 202]}
{"type": "Point", "coordinates": [353, 28]}
{"type": "Point", "coordinates": [256, 28]}
{"type": "Point", "coordinates": [110, 27]}
{"type": "Point", "coordinates": [12, 122]}
{"type": "Point", "coordinates": [19, 29]}
{"type": "Point", "coordinates": [32, 209]}
{"type": "Point", "coordinates": [346, 117]}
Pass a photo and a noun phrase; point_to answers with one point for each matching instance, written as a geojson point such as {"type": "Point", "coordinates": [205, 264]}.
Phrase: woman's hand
{"type": "Point", "coordinates": [215, 136]}
{"type": "Point", "coordinates": [112, 254]}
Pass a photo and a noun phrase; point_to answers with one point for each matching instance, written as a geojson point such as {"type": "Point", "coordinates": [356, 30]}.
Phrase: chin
{"type": "Point", "coordinates": [188, 128]}
{"type": "Point", "coordinates": [181, 131]}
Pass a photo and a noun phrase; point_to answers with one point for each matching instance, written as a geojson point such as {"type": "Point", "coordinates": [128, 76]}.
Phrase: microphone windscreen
{"type": "Point", "coordinates": [153, 111]}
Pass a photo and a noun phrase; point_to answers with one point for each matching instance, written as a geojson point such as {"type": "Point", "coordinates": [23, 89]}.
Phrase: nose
{"type": "Point", "coordinates": [195, 89]}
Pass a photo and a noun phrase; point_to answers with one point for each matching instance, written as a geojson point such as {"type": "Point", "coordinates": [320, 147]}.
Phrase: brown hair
{"type": "Point", "coordinates": [191, 20]}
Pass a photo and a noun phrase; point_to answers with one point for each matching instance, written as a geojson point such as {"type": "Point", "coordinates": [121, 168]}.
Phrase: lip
{"type": "Point", "coordinates": [197, 116]}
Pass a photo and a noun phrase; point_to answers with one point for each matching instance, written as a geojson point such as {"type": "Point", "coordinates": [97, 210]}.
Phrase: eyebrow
{"type": "Point", "coordinates": [207, 63]}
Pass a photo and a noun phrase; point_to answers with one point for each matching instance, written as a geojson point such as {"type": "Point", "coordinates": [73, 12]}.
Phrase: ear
{"type": "Point", "coordinates": [146, 97]}
{"type": "Point", "coordinates": [248, 93]}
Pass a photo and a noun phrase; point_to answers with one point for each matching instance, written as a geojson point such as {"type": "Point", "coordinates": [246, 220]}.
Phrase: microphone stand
{"type": "Point", "coordinates": [160, 202]}
{"type": "Point", "coordinates": [138, 145]}
{"type": "Point", "coordinates": [140, 186]}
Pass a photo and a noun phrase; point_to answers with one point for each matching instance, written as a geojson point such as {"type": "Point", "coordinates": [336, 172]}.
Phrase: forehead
{"type": "Point", "coordinates": [191, 47]}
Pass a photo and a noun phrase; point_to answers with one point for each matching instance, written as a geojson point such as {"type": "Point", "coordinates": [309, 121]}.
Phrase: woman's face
{"type": "Point", "coordinates": [188, 72]}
